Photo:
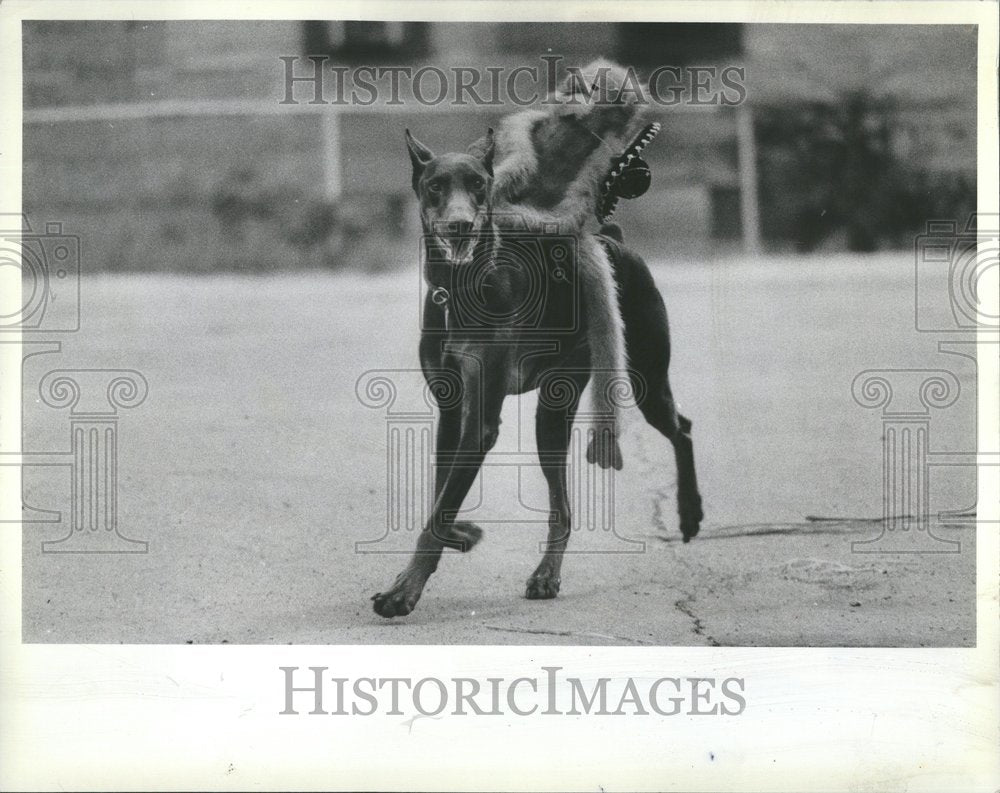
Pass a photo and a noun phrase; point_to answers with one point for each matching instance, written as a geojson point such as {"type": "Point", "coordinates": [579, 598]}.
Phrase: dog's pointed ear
{"type": "Point", "coordinates": [483, 150]}
{"type": "Point", "coordinates": [420, 155]}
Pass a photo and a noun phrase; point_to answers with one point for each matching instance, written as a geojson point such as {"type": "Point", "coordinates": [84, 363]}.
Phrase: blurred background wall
{"type": "Point", "coordinates": [163, 144]}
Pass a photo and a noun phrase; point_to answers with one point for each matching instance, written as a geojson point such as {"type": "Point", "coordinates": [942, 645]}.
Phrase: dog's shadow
{"type": "Point", "coordinates": [812, 525]}
{"type": "Point", "coordinates": [443, 609]}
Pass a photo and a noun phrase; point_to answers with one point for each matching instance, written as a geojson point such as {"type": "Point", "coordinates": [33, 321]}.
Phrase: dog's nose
{"type": "Point", "coordinates": [461, 227]}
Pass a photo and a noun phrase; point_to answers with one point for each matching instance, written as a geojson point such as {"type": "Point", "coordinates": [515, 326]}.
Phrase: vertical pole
{"type": "Point", "coordinates": [747, 156]}
{"type": "Point", "coordinates": [332, 166]}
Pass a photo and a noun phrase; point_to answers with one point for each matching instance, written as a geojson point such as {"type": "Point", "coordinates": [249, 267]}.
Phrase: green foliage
{"type": "Point", "coordinates": [834, 168]}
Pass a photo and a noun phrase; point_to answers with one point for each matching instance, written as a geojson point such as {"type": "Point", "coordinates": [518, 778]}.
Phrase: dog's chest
{"type": "Point", "coordinates": [509, 365]}
{"type": "Point", "coordinates": [528, 361]}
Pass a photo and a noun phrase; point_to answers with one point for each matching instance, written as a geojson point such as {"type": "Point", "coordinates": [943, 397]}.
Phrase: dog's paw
{"type": "Point", "coordinates": [461, 535]}
{"type": "Point", "coordinates": [542, 587]}
{"type": "Point", "coordinates": [399, 601]}
{"type": "Point", "coordinates": [604, 451]}
{"type": "Point", "coordinates": [691, 517]}
{"type": "Point", "coordinates": [393, 604]}
{"type": "Point", "coordinates": [689, 530]}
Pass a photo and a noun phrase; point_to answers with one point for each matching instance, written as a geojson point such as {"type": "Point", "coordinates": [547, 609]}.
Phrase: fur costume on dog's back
{"type": "Point", "coordinates": [550, 162]}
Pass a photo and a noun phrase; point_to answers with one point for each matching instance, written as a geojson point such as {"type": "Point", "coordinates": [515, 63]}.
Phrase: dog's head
{"type": "Point", "coordinates": [454, 194]}
{"type": "Point", "coordinates": [602, 97]}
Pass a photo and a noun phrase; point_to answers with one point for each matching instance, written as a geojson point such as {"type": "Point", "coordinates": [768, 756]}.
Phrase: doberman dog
{"type": "Point", "coordinates": [500, 318]}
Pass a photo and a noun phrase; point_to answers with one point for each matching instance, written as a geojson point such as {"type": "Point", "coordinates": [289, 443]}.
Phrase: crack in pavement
{"type": "Point", "coordinates": [685, 603]}
{"type": "Point", "coordinates": [684, 606]}
{"type": "Point", "coordinates": [687, 589]}
{"type": "Point", "coordinates": [587, 634]}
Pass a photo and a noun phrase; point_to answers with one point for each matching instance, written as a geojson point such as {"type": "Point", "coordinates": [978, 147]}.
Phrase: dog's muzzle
{"type": "Point", "coordinates": [459, 239]}
{"type": "Point", "coordinates": [459, 250]}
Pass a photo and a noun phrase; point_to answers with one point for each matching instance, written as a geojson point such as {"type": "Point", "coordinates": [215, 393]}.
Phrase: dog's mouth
{"type": "Point", "coordinates": [459, 248]}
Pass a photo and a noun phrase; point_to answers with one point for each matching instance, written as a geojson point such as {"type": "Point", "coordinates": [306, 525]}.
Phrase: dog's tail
{"type": "Point", "coordinates": [610, 384]}
{"type": "Point", "coordinates": [606, 337]}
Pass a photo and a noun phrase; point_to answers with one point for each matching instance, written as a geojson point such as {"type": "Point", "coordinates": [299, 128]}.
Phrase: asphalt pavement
{"type": "Point", "coordinates": [258, 471]}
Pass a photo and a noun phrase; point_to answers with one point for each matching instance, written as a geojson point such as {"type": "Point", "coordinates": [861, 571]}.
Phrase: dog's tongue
{"type": "Point", "coordinates": [460, 250]}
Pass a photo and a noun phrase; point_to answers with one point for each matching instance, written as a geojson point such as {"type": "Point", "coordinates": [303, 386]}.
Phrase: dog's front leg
{"type": "Point", "coordinates": [449, 436]}
{"type": "Point", "coordinates": [553, 432]}
{"type": "Point", "coordinates": [480, 422]}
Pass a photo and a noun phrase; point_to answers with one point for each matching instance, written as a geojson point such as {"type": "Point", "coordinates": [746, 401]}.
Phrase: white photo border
{"type": "Point", "coordinates": [207, 717]}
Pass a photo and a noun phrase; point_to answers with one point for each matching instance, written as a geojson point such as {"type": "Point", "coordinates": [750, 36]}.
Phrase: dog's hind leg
{"type": "Point", "coordinates": [648, 337]}
{"type": "Point", "coordinates": [553, 430]}
{"type": "Point", "coordinates": [660, 411]}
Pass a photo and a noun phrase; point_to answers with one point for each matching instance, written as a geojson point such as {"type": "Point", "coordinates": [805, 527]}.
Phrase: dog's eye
{"type": "Point", "coordinates": [478, 183]}
{"type": "Point", "coordinates": [434, 187]}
